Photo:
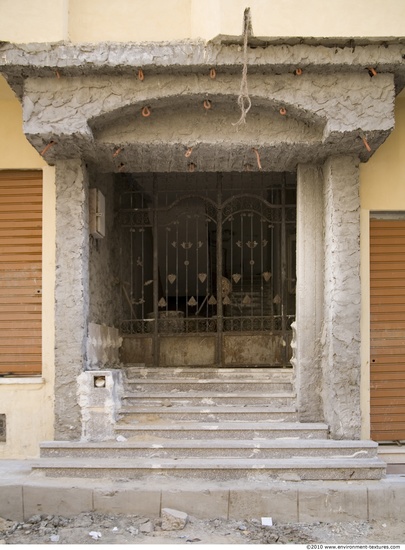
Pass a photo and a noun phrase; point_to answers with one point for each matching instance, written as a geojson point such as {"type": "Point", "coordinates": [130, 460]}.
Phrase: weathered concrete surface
{"type": "Point", "coordinates": [281, 504]}
{"type": "Point", "coordinates": [137, 350]}
{"type": "Point", "coordinates": [113, 499]}
{"type": "Point", "coordinates": [310, 285]}
{"type": "Point", "coordinates": [71, 293]}
{"type": "Point", "coordinates": [346, 503]}
{"type": "Point", "coordinates": [11, 502]}
{"type": "Point", "coordinates": [207, 503]}
{"type": "Point", "coordinates": [311, 54]}
{"type": "Point", "coordinates": [99, 396]}
{"type": "Point", "coordinates": [27, 494]}
{"type": "Point", "coordinates": [48, 499]}
{"type": "Point", "coordinates": [92, 117]}
{"type": "Point", "coordinates": [103, 345]}
{"type": "Point", "coordinates": [91, 109]}
{"type": "Point", "coordinates": [386, 499]}
{"type": "Point", "coordinates": [105, 291]}
{"type": "Point", "coordinates": [187, 350]}
{"type": "Point", "coordinates": [257, 349]}
{"type": "Point", "coordinates": [94, 106]}
{"type": "Point", "coordinates": [342, 307]}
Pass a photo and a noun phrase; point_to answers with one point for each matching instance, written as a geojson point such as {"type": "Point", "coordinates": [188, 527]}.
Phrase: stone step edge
{"type": "Point", "coordinates": [192, 393]}
{"type": "Point", "coordinates": [223, 426]}
{"type": "Point", "coordinates": [203, 381]}
{"type": "Point", "coordinates": [215, 443]}
{"type": "Point", "coordinates": [207, 368]}
{"type": "Point", "coordinates": [197, 463]}
{"type": "Point", "coordinates": [203, 409]}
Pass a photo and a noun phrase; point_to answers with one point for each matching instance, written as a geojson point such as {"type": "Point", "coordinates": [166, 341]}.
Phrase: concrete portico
{"type": "Point", "coordinates": [88, 123]}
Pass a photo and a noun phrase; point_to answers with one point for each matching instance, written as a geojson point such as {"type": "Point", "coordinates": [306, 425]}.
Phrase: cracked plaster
{"type": "Point", "coordinates": [93, 108]}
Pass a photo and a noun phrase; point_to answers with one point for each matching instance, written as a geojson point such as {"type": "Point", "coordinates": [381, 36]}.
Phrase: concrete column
{"type": "Point", "coordinates": [342, 301]}
{"type": "Point", "coordinates": [310, 273]}
{"type": "Point", "coordinates": [71, 293]}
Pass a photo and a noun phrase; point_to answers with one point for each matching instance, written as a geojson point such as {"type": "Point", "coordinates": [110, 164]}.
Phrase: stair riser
{"type": "Point", "coordinates": [197, 373]}
{"type": "Point", "coordinates": [267, 433]}
{"type": "Point", "coordinates": [182, 453]}
{"type": "Point", "coordinates": [237, 415]}
{"type": "Point", "coordinates": [267, 474]}
{"type": "Point", "coordinates": [217, 386]}
{"type": "Point", "coordinates": [177, 401]}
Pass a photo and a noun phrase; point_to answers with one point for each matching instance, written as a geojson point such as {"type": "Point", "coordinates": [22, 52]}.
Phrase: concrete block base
{"type": "Point", "coordinates": [56, 499]}
{"type": "Point", "coordinates": [386, 499]}
{"type": "Point", "coordinates": [333, 503]}
{"type": "Point", "coordinates": [279, 503]}
{"type": "Point", "coordinates": [11, 502]}
{"type": "Point", "coordinates": [117, 499]}
{"type": "Point", "coordinates": [303, 501]}
{"type": "Point", "coordinates": [203, 504]}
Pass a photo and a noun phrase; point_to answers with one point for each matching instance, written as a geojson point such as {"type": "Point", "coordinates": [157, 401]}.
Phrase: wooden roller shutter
{"type": "Point", "coordinates": [387, 301]}
{"type": "Point", "coordinates": [20, 272]}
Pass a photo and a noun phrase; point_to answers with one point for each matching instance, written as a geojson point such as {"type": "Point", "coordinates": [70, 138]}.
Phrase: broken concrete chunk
{"type": "Point", "coordinates": [146, 527]}
{"type": "Point", "coordinates": [173, 520]}
{"type": "Point", "coordinates": [5, 524]}
{"type": "Point", "coordinates": [34, 519]}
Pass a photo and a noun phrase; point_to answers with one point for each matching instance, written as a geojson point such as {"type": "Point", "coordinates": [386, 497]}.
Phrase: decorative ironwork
{"type": "Point", "coordinates": [199, 254]}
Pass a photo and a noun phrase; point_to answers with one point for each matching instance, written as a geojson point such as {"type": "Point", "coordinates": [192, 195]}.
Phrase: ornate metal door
{"type": "Point", "coordinates": [208, 266]}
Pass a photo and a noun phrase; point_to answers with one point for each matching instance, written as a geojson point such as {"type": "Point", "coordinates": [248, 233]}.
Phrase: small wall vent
{"type": "Point", "coordinates": [2, 428]}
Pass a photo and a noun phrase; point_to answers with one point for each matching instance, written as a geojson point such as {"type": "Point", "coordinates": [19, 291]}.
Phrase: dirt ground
{"type": "Point", "coordinates": [92, 528]}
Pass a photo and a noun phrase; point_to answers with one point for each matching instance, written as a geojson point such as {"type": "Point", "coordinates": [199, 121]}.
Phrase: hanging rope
{"type": "Point", "coordinates": [244, 101]}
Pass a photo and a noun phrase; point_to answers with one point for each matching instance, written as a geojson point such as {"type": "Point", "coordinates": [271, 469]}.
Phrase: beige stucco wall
{"type": "Point", "coordinates": [33, 21]}
{"type": "Point", "coordinates": [28, 402]}
{"type": "Point", "coordinates": [145, 20]}
{"type": "Point", "coordinates": [382, 188]}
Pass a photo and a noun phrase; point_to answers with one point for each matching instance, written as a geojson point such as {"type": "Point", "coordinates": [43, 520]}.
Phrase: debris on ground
{"type": "Point", "coordinates": [94, 528]}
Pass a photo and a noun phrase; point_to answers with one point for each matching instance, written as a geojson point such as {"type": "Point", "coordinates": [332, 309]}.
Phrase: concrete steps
{"type": "Point", "coordinates": [220, 469]}
{"type": "Point", "coordinates": [207, 413]}
{"type": "Point", "coordinates": [212, 424]}
{"type": "Point", "coordinates": [207, 398]}
{"type": "Point", "coordinates": [212, 448]}
{"type": "Point", "coordinates": [223, 430]}
{"type": "Point", "coordinates": [206, 384]}
{"type": "Point", "coordinates": [198, 373]}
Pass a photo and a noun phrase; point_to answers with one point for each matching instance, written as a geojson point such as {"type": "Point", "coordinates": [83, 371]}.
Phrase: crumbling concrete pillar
{"type": "Point", "coordinates": [310, 273]}
{"type": "Point", "coordinates": [342, 303]}
{"type": "Point", "coordinates": [71, 293]}
{"type": "Point", "coordinates": [99, 394]}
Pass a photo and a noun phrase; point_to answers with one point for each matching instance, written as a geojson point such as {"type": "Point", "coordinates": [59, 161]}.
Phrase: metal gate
{"type": "Point", "coordinates": [209, 256]}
